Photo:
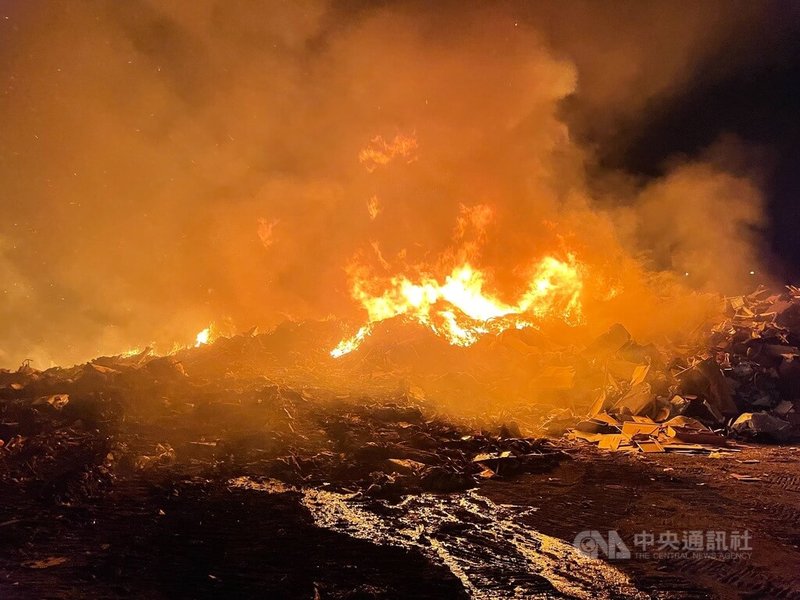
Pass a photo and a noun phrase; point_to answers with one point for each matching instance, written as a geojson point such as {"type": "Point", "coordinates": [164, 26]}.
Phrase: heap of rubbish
{"type": "Point", "coordinates": [745, 385]}
{"type": "Point", "coordinates": [71, 433]}
{"type": "Point", "coordinates": [277, 402]}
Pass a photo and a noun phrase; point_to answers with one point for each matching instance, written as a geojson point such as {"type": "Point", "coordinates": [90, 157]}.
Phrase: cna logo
{"type": "Point", "coordinates": [594, 545]}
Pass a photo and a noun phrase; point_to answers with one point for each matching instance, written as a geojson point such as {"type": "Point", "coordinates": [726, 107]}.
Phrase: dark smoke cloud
{"type": "Point", "coordinates": [169, 164]}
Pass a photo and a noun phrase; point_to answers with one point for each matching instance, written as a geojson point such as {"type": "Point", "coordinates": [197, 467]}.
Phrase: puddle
{"type": "Point", "coordinates": [485, 545]}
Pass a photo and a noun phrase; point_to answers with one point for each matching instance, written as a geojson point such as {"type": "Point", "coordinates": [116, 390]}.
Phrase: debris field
{"type": "Point", "coordinates": [218, 465]}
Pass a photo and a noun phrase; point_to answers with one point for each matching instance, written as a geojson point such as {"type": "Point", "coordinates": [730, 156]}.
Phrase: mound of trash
{"type": "Point", "coordinates": [745, 384]}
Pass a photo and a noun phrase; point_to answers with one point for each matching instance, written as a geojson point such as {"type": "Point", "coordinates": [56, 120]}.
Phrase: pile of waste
{"type": "Point", "coordinates": [744, 385]}
{"type": "Point", "coordinates": [71, 433]}
{"type": "Point", "coordinates": [278, 405]}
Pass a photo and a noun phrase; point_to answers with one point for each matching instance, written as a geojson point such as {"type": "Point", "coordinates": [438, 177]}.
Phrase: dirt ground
{"type": "Point", "coordinates": [669, 492]}
{"type": "Point", "coordinates": [177, 502]}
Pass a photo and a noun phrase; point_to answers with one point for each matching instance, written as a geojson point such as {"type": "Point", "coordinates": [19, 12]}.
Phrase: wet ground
{"type": "Point", "coordinates": [273, 493]}
{"type": "Point", "coordinates": [243, 538]}
{"type": "Point", "coordinates": [662, 493]}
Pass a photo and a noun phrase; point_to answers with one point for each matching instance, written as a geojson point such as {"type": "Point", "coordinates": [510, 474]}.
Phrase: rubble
{"type": "Point", "coordinates": [745, 383]}
{"type": "Point", "coordinates": [641, 434]}
{"type": "Point", "coordinates": [742, 382]}
{"type": "Point", "coordinates": [141, 415]}
{"type": "Point", "coordinates": [233, 410]}
{"type": "Point", "coordinates": [762, 426]}
{"type": "Point", "coordinates": [214, 405]}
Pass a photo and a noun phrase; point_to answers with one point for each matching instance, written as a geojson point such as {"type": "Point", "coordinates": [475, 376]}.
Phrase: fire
{"type": "Point", "coordinates": [380, 152]}
{"type": "Point", "coordinates": [350, 344]}
{"type": "Point", "coordinates": [459, 309]}
{"type": "Point", "coordinates": [202, 337]}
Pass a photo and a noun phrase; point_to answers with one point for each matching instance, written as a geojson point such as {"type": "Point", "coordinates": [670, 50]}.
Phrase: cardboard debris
{"type": "Point", "coordinates": [632, 428]}
{"type": "Point", "coordinates": [614, 441]}
{"type": "Point", "coordinates": [649, 446]}
{"type": "Point", "coordinates": [746, 478]}
{"type": "Point", "coordinates": [694, 436]}
{"type": "Point", "coordinates": [610, 342]}
{"type": "Point", "coordinates": [687, 448]}
{"type": "Point", "coordinates": [45, 563]}
{"type": "Point", "coordinates": [57, 401]}
{"type": "Point", "coordinates": [783, 408]}
{"type": "Point", "coordinates": [506, 462]}
{"type": "Point", "coordinates": [761, 425]}
{"type": "Point", "coordinates": [678, 405]}
{"type": "Point", "coordinates": [639, 433]}
{"type": "Point", "coordinates": [745, 383]}
{"type": "Point", "coordinates": [596, 426]}
{"type": "Point", "coordinates": [162, 454]}
{"type": "Point", "coordinates": [636, 400]}
{"type": "Point", "coordinates": [706, 380]}
{"type": "Point", "coordinates": [589, 437]}
{"type": "Point", "coordinates": [639, 374]}
{"type": "Point", "coordinates": [686, 422]}
{"type": "Point", "coordinates": [405, 465]}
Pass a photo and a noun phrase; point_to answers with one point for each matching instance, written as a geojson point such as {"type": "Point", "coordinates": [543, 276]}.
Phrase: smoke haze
{"type": "Point", "coordinates": [165, 164]}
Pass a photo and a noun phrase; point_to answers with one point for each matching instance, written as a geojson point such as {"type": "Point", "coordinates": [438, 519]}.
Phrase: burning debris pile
{"type": "Point", "coordinates": [75, 431]}
{"type": "Point", "coordinates": [746, 384]}
{"type": "Point", "coordinates": [461, 311]}
{"type": "Point", "coordinates": [242, 401]}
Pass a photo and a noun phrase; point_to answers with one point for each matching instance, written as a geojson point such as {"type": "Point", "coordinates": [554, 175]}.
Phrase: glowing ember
{"type": "Point", "coordinates": [202, 337]}
{"type": "Point", "coordinates": [460, 311]}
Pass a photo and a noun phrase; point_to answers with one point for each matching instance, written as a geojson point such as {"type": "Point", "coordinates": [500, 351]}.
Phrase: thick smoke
{"type": "Point", "coordinates": [169, 164]}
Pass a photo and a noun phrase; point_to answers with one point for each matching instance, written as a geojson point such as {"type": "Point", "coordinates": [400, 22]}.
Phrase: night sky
{"type": "Point", "coordinates": [757, 101]}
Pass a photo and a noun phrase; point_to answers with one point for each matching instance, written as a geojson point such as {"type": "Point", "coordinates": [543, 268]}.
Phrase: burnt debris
{"type": "Point", "coordinates": [745, 383]}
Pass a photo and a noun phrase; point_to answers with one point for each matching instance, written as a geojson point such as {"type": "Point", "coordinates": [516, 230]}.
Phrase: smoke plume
{"type": "Point", "coordinates": [166, 165]}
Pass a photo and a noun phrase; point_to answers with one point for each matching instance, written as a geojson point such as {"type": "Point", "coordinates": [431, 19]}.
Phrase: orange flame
{"type": "Point", "coordinates": [380, 153]}
{"type": "Point", "coordinates": [460, 311]}
{"type": "Point", "coordinates": [202, 337]}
